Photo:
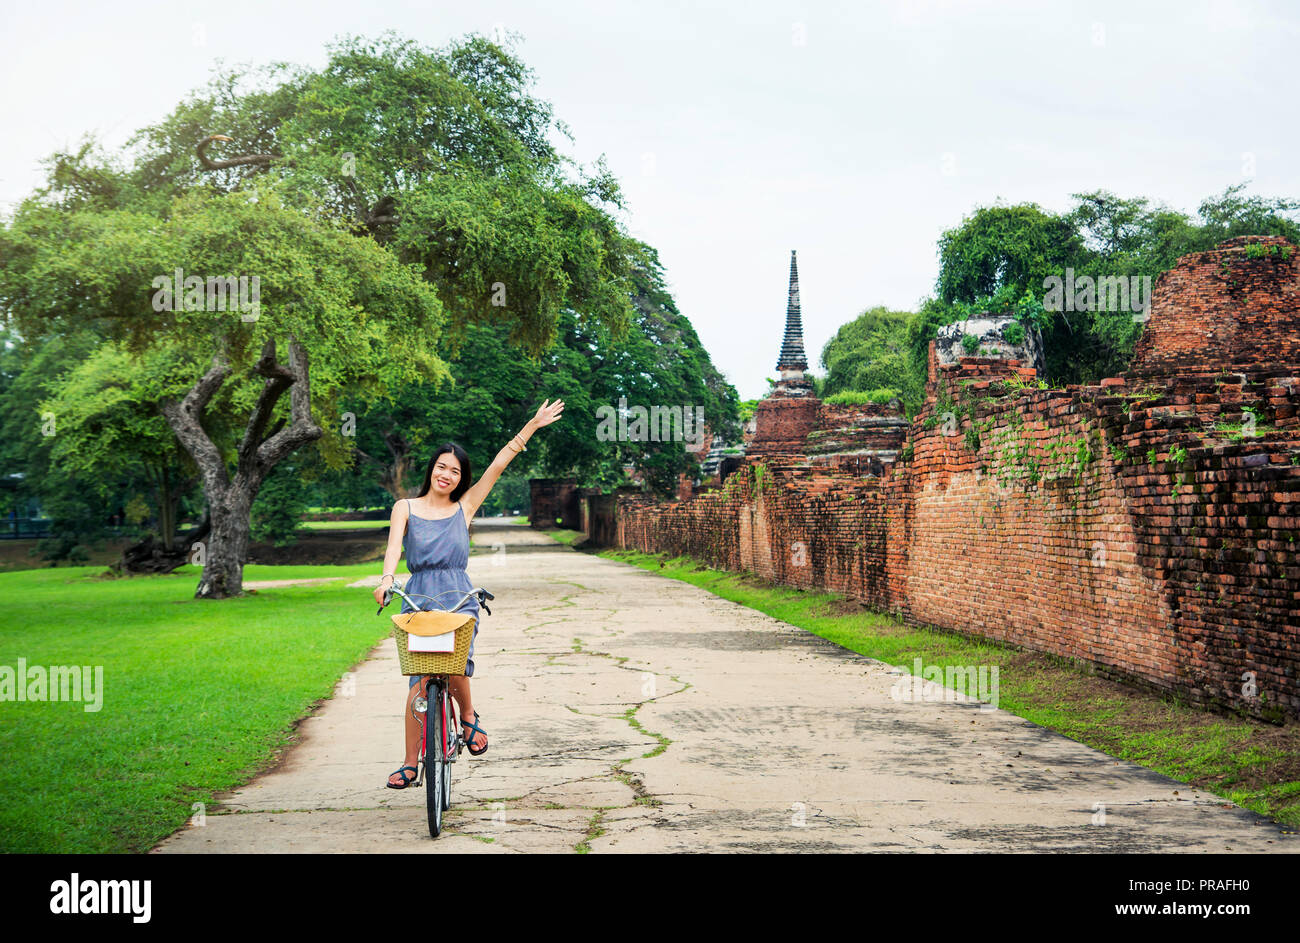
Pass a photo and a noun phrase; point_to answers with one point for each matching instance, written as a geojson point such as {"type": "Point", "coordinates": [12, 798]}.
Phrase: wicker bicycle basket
{"type": "Point", "coordinates": [434, 663]}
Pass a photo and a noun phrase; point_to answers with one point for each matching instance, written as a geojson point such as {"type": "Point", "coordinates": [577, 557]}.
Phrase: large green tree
{"type": "Point", "coordinates": [386, 203]}
{"type": "Point", "coordinates": [328, 298]}
{"type": "Point", "coordinates": [871, 353]}
{"type": "Point", "coordinates": [441, 155]}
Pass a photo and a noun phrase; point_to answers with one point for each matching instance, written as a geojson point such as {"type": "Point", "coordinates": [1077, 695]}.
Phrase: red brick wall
{"type": "Point", "coordinates": [1232, 305]}
{"type": "Point", "coordinates": [1112, 524]}
{"type": "Point", "coordinates": [1025, 534]}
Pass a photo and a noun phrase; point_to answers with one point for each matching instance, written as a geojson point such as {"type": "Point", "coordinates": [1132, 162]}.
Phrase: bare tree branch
{"type": "Point", "coordinates": [278, 379]}
{"type": "Point", "coordinates": [378, 215]}
{"type": "Point", "coordinates": [393, 472]}
{"type": "Point", "coordinates": [302, 429]}
{"type": "Point", "coordinates": [261, 160]}
{"type": "Point", "coordinates": [185, 418]}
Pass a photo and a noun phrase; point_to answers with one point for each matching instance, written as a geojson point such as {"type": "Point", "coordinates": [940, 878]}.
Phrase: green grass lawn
{"type": "Point", "coordinates": [1251, 763]}
{"type": "Point", "coordinates": [198, 696]}
{"type": "Point", "coordinates": [565, 536]}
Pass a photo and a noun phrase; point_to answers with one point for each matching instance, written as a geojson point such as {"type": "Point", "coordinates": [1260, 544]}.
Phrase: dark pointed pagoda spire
{"type": "Point", "coordinates": [792, 355]}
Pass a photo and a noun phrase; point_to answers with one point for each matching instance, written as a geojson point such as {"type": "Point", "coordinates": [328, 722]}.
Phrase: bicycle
{"type": "Point", "coordinates": [447, 741]}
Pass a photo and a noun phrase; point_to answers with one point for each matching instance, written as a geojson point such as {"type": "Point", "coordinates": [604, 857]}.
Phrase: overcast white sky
{"type": "Point", "coordinates": [853, 132]}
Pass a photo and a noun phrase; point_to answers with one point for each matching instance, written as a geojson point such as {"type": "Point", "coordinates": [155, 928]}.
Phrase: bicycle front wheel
{"type": "Point", "coordinates": [435, 765]}
{"type": "Point", "coordinates": [448, 739]}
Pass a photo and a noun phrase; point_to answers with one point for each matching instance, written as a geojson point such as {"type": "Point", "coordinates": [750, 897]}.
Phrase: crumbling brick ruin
{"type": "Point", "coordinates": [1146, 525]}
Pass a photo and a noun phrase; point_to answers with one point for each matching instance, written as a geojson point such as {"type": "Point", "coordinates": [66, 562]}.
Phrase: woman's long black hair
{"type": "Point", "coordinates": [466, 472]}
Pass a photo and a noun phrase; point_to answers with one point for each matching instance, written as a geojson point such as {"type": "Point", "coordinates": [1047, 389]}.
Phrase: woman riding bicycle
{"type": "Point", "coordinates": [433, 530]}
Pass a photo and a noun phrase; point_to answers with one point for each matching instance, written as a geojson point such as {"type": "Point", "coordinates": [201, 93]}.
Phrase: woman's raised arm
{"type": "Point", "coordinates": [547, 413]}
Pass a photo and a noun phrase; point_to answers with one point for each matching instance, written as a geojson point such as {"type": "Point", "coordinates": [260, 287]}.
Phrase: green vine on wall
{"type": "Point", "coordinates": [1015, 457]}
{"type": "Point", "coordinates": [1063, 455]}
{"type": "Point", "coordinates": [1257, 250]}
{"type": "Point", "coordinates": [733, 486]}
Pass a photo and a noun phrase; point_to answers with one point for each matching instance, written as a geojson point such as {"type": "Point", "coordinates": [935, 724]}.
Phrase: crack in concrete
{"type": "Point", "coordinates": [567, 782]}
{"type": "Point", "coordinates": [640, 796]}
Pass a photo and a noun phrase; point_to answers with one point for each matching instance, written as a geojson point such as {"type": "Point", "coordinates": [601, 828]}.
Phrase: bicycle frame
{"type": "Point", "coordinates": [435, 697]}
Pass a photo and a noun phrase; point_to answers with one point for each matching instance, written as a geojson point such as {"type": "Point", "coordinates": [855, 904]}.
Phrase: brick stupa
{"type": "Point", "coordinates": [786, 415]}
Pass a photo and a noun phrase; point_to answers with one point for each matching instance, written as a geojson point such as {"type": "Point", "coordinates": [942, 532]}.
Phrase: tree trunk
{"type": "Point", "coordinates": [166, 510]}
{"type": "Point", "coordinates": [230, 498]}
{"type": "Point", "coordinates": [392, 474]}
{"type": "Point", "coordinates": [225, 552]}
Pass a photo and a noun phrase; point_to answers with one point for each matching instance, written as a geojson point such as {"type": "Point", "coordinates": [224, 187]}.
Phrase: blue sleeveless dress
{"type": "Point", "coordinates": [437, 551]}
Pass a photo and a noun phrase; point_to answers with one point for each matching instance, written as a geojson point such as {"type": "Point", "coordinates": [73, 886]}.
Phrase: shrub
{"type": "Point", "coordinates": [880, 396]}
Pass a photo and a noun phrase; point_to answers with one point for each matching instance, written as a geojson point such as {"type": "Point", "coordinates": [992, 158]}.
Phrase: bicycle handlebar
{"type": "Point", "coordinates": [482, 594]}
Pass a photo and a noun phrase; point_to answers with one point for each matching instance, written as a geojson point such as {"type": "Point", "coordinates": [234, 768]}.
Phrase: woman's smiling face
{"type": "Point", "coordinates": [446, 474]}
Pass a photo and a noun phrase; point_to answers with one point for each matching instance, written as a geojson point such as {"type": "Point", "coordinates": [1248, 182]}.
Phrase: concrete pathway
{"type": "Point", "coordinates": [632, 713]}
{"type": "Point", "coordinates": [272, 584]}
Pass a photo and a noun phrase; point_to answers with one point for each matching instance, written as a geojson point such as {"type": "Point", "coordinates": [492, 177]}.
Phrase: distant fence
{"type": "Point", "coordinates": [25, 527]}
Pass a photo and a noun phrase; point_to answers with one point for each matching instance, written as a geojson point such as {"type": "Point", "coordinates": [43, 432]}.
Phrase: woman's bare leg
{"type": "Point", "coordinates": [412, 737]}
{"type": "Point", "coordinates": [459, 685]}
